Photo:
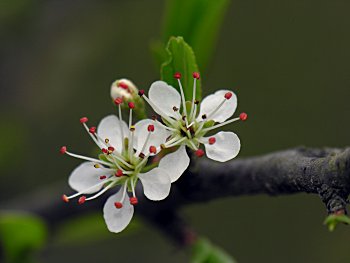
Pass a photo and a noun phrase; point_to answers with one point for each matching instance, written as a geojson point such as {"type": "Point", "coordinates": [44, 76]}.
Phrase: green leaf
{"type": "Point", "coordinates": [198, 21]}
{"type": "Point", "coordinates": [181, 59]}
{"type": "Point", "coordinates": [333, 220]}
{"type": "Point", "coordinates": [205, 252]}
{"type": "Point", "coordinates": [21, 235]}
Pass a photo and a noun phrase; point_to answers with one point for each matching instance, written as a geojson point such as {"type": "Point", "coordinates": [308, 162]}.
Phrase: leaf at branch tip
{"type": "Point", "coordinates": [180, 58]}
{"type": "Point", "coordinates": [21, 235]}
{"type": "Point", "coordinates": [334, 219]}
{"type": "Point", "coordinates": [199, 24]}
{"type": "Point", "coordinates": [205, 252]}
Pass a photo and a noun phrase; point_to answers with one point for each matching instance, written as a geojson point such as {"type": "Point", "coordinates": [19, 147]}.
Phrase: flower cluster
{"type": "Point", "coordinates": [126, 148]}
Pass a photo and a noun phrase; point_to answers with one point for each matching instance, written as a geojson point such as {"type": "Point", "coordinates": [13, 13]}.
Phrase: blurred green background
{"type": "Point", "coordinates": [288, 62]}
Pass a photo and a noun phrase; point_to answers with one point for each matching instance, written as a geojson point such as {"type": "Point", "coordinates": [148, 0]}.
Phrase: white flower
{"type": "Point", "coordinates": [189, 124]}
{"type": "Point", "coordinates": [125, 150]}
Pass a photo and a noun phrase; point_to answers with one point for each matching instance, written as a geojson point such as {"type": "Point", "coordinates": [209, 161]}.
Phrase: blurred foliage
{"type": "Point", "coordinates": [180, 58]}
{"type": "Point", "coordinates": [197, 21]}
{"type": "Point", "coordinates": [21, 235]}
{"type": "Point", "coordinates": [333, 220]}
{"type": "Point", "coordinates": [203, 251]}
{"type": "Point", "coordinates": [89, 228]}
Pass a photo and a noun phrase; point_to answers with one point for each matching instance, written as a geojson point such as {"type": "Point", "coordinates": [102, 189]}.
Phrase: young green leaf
{"type": "Point", "coordinates": [180, 58]}
{"type": "Point", "coordinates": [198, 21]}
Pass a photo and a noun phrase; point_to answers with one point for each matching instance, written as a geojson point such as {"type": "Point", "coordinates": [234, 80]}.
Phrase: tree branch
{"type": "Point", "coordinates": [325, 172]}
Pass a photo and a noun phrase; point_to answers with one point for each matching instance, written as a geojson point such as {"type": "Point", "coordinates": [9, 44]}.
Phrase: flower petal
{"type": "Point", "coordinates": [117, 219]}
{"type": "Point", "coordinates": [211, 102]}
{"type": "Point", "coordinates": [156, 184]}
{"type": "Point", "coordinates": [109, 127]}
{"type": "Point", "coordinates": [86, 176]}
{"type": "Point", "coordinates": [225, 148]}
{"type": "Point", "coordinates": [165, 97]}
{"type": "Point", "coordinates": [157, 137]}
{"type": "Point", "coordinates": [175, 163]}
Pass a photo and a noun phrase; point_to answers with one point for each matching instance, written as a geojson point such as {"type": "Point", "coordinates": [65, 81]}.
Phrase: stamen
{"type": "Point", "coordinates": [195, 77]}
{"type": "Point", "coordinates": [96, 166]}
{"type": "Point", "coordinates": [243, 116]}
{"type": "Point", "coordinates": [228, 95]}
{"type": "Point", "coordinates": [199, 153]}
{"type": "Point", "coordinates": [92, 135]}
{"type": "Point", "coordinates": [133, 200]}
{"type": "Point", "coordinates": [145, 143]}
{"type": "Point", "coordinates": [177, 75]}
{"type": "Point", "coordinates": [83, 120]}
{"type": "Point", "coordinates": [119, 173]}
{"type": "Point", "coordinates": [100, 192]}
{"type": "Point", "coordinates": [86, 190]}
{"type": "Point", "coordinates": [65, 198]}
{"type": "Point", "coordinates": [152, 149]}
{"type": "Point", "coordinates": [118, 101]}
{"type": "Point", "coordinates": [87, 158]}
{"type": "Point", "coordinates": [150, 128]}
{"type": "Point", "coordinates": [104, 150]}
{"type": "Point", "coordinates": [141, 92]}
{"type": "Point", "coordinates": [211, 140]}
{"type": "Point", "coordinates": [183, 102]}
{"type": "Point", "coordinates": [120, 125]}
{"type": "Point", "coordinates": [131, 105]}
{"type": "Point", "coordinates": [132, 187]}
{"type": "Point", "coordinates": [82, 200]}
{"type": "Point", "coordinates": [220, 125]}
{"type": "Point", "coordinates": [123, 85]}
{"type": "Point", "coordinates": [216, 109]}
{"type": "Point", "coordinates": [92, 130]}
{"type": "Point", "coordinates": [176, 143]}
{"type": "Point", "coordinates": [102, 177]}
{"type": "Point", "coordinates": [63, 150]}
{"type": "Point", "coordinates": [118, 205]}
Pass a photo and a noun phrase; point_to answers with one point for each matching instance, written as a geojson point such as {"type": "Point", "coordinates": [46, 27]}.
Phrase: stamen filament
{"type": "Point", "coordinates": [88, 159]}
{"type": "Point", "coordinates": [87, 189]}
{"type": "Point", "coordinates": [124, 191]}
{"type": "Point", "coordinates": [216, 109]}
{"type": "Point", "coordinates": [193, 145]}
{"type": "Point", "coordinates": [101, 192]}
{"type": "Point", "coordinates": [183, 102]}
{"type": "Point", "coordinates": [144, 145]}
{"type": "Point", "coordinates": [220, 125]}
{"type": "Point", "coordinates": [193, 98]}
{"type": "Point", "coordinates": [132, 187]}
{"type": "Point", "coordinates": [176, 143]}
{"type": "Point", "coordinates": [92, 136]}
{"type": "Point", "coordinates": [120, 125]}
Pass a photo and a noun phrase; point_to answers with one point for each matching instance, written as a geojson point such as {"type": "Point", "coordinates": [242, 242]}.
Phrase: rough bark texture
{"type": "Point", "coordinates": [325, 172]}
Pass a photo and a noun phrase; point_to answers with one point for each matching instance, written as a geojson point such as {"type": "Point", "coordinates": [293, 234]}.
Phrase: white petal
{"type": "Point", "coordinates": [157, 137]}
{"type": "Point", "coordinates": [165, 97]}
{"type": "Point", "coordinates": [210, 103]}
{"type": "Point", "coordinates": [156, 184]}
{"type": "Point", "coordinates": [117, 219]}
{"type": "Point", "coordinates": [86, 176]}
{"type": "Point", "coordinates": [175, 163]}
{"type": "Point", "coordinates": [225, 148]}
{"type": "Point", "coordinates": [109, 127]}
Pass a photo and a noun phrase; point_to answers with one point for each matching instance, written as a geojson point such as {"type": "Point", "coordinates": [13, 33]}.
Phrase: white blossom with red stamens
{"type": "Point", "coordinates": [188, 127]}
{"type": "Point", "coordinates": [125, 150]}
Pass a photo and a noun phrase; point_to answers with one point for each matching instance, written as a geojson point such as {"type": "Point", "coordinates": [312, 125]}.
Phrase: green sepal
{"type": "Point", "coordinates": [333, 220]}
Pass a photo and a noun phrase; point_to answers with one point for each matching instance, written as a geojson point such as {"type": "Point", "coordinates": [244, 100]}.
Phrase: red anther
{"type": "Point", "coordinates": [152, 149]}
{"type": "Point", "coordinates": [228, 95]}
{"type": "Point", "coordinates": [119, 173]}
{"type": "Point", "coordinates": [243, 116]}
{"type": "Point", "coordinates": [196, 75]}
{"type": "Point", "coordinates": [133, 200]}
{"type": "Point", "coordinates": [199, 153]}
{"type": "Point", "coordinates": [83, 120]}
{"type": "Point", "coordinates": [150, 128]}
{"type": "Point", "coordinates": [63, 150]}
{"type": "Point", "coordinates": [111, 149]}
{"type": "Point", "coordinates": [177, 75]}
{"type": "Point", "coordinates": [118, 101]}
{"type": "Point", "coordinates": [92, 130]}
{"type": "Point", "coordinates": [103, 177]}
{"type": "Point", "coordinates": [65, 198]}
{"type": "Point", "coordinates": [82, 200]}
{"type": "Point", "coordinates": [131, 105]}
{"type": "Point", "coordinates": [212, 140]}
{"type": "Point", "coordinates": [104, 150]}
{"type": "Point", "coordinates": [118, 205]}
{"type": "Point", "coordinates": [123, 85]}
{"type": "Point", "coordinates": [141, 92]}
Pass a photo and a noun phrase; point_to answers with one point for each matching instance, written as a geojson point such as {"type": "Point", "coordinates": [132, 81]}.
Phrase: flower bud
{"type": "Point", "coordinates": [126, 92]}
